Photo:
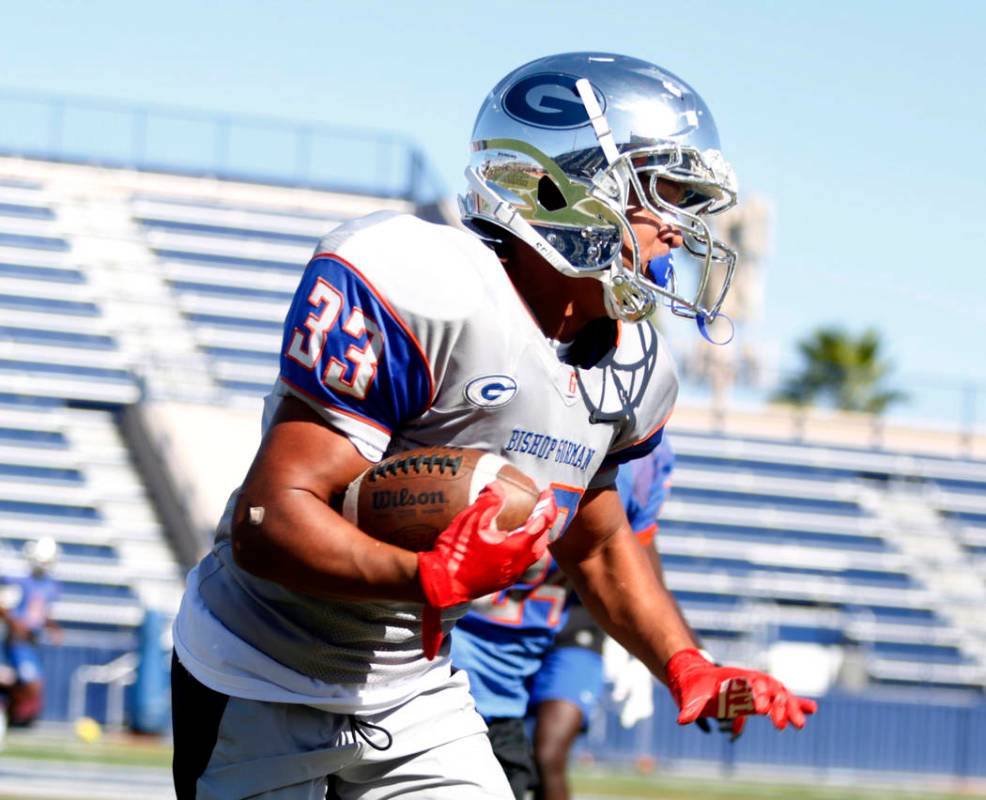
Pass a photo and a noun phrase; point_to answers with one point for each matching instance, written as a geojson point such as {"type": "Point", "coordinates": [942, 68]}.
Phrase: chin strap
{"type": "Point", "coordinates": [661, 271]}
{"type": "Point", "coordinates": [703, 320]}
{"type": "Point", "coordinates": [628, 300]}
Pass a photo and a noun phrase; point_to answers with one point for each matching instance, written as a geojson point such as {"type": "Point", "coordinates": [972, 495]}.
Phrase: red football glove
{"type": "Point", "coordinates": [701, 689]}
{"type": "Point", "coordinates": [471, 558]}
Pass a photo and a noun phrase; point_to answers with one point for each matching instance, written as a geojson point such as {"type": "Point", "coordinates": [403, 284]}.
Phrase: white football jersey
{"type": "Point", "coordinates": [405, 334]}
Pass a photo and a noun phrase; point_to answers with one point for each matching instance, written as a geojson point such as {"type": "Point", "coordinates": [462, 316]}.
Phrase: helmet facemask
{"type": "Point", "coordinates": [708, 188]}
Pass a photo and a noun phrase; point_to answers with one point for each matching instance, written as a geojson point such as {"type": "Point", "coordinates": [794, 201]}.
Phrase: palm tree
{"type": "Point", "coordinates": [845, 370]}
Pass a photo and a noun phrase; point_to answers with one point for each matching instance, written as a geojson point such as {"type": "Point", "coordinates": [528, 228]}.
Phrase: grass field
{"type": "Point", "coordinates": [142, 755]}
{"type": "Point", "coordinates": [131, 752]}
{"type": "Point", "coordinates": [610, 784]}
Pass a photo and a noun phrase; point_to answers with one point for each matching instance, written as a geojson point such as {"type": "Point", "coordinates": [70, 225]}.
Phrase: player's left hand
{"type": "Point", "coordinates": [701, 689]}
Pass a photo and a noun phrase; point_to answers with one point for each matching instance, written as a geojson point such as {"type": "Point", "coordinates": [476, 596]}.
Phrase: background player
{"type": "Point", "coordinates": [523, 662]}
{"type": "Point", "coordinates": [24, 625]}
{"type": "Point", "coordinates": [569, 683]}
{"type": "Point", "coordinates": [299, 628]}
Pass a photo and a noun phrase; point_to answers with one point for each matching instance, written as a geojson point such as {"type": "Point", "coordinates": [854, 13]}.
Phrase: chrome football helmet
{"type": "Point", "coordinates": [558, 147]}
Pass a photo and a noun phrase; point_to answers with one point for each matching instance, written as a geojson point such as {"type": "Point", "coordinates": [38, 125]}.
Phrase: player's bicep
{"type": "Point", "coordinates": [301, 452]}
{"type": "Point", "coordinates": [301, 463]}
{"type": "Point", "coordinates": [284, 530]}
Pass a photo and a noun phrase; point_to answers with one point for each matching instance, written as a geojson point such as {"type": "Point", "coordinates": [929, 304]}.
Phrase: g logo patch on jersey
{"type": "Point", "coordinates": [490, 391]}
{"type": "Point", "coordinates": [548, 100]}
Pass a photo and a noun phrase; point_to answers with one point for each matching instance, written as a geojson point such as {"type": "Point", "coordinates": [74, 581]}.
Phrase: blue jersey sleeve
{"type": "Point", "coordinates": [637, 450]}
{"type": "Point", "coordinates": [347, 350]}
{"type": "Point", "coordinates": [644, 485]}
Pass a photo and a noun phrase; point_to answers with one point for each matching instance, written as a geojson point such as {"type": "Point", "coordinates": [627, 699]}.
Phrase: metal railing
{"type": "Point", "coordinates": [230, 146]}
{"type": "Point", "coordinates": [116, 676]}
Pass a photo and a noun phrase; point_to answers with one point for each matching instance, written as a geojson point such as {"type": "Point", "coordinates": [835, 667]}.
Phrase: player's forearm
{"type": "Point", "coordinates": [624, 594]}
{"type": "Point", "coordinates": [307, 547]}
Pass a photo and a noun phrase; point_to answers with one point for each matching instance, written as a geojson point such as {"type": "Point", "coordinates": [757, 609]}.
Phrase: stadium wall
{"type": "Point", "coordinates": [851, 733]}
{"type": "Point", "coordinates": [191, 457]}
{"type": "Point", "coordinates": [837, 428]}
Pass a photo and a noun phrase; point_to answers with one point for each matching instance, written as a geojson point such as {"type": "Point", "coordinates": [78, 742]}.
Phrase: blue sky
{"type": "Point", "coordinates": [862, 122]}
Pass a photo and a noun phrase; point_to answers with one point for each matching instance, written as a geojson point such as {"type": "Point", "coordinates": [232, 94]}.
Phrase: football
{"type": "Point", "coordinates": [411, 497]}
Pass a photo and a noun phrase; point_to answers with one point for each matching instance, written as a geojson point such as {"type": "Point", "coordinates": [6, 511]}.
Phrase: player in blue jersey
{"type": "Point", "coordinates": [25, 623]}
{"type": "Point", "coordinates": [551, 664]}
{"type": "Point", "coordinates": [310, 657]}
{"type": "Point", "coordinates": [569, 683]}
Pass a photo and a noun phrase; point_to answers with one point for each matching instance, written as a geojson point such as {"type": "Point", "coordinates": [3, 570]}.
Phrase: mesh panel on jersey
{"type": "Point", "coordinates": [337, 642]}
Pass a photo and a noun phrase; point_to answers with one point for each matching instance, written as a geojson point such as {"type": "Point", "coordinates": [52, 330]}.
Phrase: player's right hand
{"type": "Point", "coordinates": [471, 558]}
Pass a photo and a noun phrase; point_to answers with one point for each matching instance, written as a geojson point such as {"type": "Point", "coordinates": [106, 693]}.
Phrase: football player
{"type": "Point", "coordinates": [549, 666]}
{"type": "Point", "coordinates": [569, 682]}
{"type": "Point", "coordinates": [25, 624]}
{"type": "Point", "coordinates": [310, 656]}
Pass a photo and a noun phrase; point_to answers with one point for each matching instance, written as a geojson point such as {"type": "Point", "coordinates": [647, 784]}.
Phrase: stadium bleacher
{"type": "Point", "coordinates": [806, 542]}
{"type": "Point", "coordinates": [66, 473]}
{"type": "Point", "coordinates": [232, 271]}
{"type": "Point", "coordinates": [54, 339]}
{"type": "Point", "coordinates": [120, 287]}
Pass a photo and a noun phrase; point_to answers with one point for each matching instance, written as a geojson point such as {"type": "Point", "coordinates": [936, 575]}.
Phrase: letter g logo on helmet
{"type": "Point", "coordinates": [548, 100]}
